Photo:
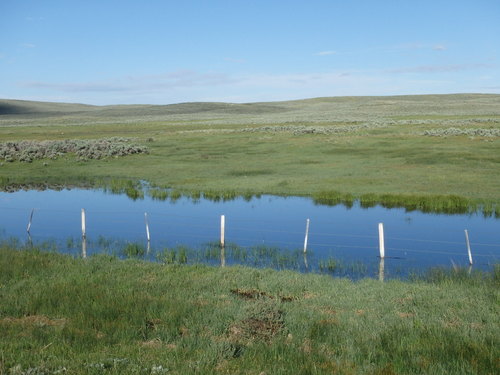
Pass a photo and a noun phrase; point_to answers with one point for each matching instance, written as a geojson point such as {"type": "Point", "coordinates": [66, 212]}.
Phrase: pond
{"type": "Point", "coordinates": [262, 232]}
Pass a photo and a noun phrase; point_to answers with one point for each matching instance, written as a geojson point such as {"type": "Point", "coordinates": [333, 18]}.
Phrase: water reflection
{"type": "Point", "coordinates": [264, 232]}
{"type": "Point", "coordinates": [381, 268]}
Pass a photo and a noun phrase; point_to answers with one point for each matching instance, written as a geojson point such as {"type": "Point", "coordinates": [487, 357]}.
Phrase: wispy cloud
{"type": "Point", "coordinates": [174, 80]}
{"type": "Point", "coordinates": [188, 85]}
{"type": "Point", "coordinates": [439, 47]}
{"type": "Point", "coordinates": [28, 45]}
{"type": "Point", "coordinates": [325, 53]}
{"type": "Point", "coordinates": [409, 46]}
{"type": "Point", "coordinates": [440, 68]}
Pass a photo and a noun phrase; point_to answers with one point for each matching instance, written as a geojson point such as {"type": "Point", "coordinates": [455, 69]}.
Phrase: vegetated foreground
{"type": "Point", "coordinates": [103, 315]}
{"type": "Point", "coordinates": [392, 149]}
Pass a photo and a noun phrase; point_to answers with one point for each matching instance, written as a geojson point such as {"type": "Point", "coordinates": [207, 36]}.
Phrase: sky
{"type": "Point", "coordinates": [164, 51]}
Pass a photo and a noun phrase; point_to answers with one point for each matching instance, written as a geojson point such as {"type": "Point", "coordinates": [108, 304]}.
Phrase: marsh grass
{"type": "Point", "coordinates": [103, 315]}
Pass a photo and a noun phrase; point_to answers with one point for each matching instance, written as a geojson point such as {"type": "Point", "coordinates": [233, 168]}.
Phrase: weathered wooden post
{"type": "Point", "coordinates": [381, 243]}
{"type": "Point", "coordinates": [307, 235]}
{"type": "Point", "coordinates": [468, 246]}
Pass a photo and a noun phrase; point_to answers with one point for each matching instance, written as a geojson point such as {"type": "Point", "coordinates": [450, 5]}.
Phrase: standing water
{"type": "Point", "coordinates": [264, 232]}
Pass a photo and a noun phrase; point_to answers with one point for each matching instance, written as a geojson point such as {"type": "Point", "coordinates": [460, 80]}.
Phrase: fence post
{"type": "Point", "coordinates": [307, 234]}
{"type": "Point", "coordinates": [147, 227]}
{"type": "Point", "coordinates": [29, 223]}
{"type": "Point", "coordinates": [84, 236]}
{"type": "Point", "coordinates": [468, 246]}
{"type": "Point", "coordinates": [222, 230]}
{"type": "Point", "coordinates": [381, 240]}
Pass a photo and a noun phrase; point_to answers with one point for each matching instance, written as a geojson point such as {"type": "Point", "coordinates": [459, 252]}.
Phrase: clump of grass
{"type": "Point", "coordinates": [133, 189]}
{"type": "Point", "coordinates": [158, 194]}
{"type": "Point", "coordinates": [333, 198]}
{"type": "Point", "coordinates": [447, 204]}
{"type": "Point", "coordinates": [134, 250]}
{"type": "Point", "coordinates": [328, 265]}
{"type": "Point", "coordinates": [176, 255]}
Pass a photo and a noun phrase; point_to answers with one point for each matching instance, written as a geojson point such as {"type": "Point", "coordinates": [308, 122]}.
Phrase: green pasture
{"type": "Point", "coordinates": [102, 315]}
{"type": "Point", "coordinates": [413, 146]}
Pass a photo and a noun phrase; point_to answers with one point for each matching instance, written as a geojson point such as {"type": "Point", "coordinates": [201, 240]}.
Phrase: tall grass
{"type": "Point", "coordinates": [102, 315]}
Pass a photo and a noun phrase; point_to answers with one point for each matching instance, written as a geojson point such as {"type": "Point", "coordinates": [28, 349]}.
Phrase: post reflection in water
{"type": "Point", "coordinates": [381, 269]}
{"type": "Point", "coordinates": [84, 247]}
{"type": "Point", "coordinates": [222, 257]}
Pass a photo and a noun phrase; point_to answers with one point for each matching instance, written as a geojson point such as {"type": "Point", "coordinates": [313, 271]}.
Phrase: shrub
{"type": "Point", "coordinates": [28, 151]}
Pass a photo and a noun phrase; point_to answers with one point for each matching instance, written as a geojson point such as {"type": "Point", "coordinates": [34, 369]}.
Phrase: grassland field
{"type": "Point", "coordinates": [409, 145]}
{"type": "Point", "coordinates": [102, 315]}
{"type": "Point", "coordinates": [62, 315]}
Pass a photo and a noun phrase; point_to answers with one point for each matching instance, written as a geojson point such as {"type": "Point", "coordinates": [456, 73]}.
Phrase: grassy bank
{"type": "Point", "coordinates": [102, 315]}
{"type": "Point", "coordinates": [404, 149]}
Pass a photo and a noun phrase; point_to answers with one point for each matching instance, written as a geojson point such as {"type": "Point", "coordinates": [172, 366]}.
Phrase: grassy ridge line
{"type": "Point", "coordinates": [102, 315]}
{"type": "Point", "coordinates": [18, 112]}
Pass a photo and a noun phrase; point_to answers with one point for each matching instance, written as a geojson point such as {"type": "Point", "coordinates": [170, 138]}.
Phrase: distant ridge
{"type": "Point", "coordinates": [31, 109]}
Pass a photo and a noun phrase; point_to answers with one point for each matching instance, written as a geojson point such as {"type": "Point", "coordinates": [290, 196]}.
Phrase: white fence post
{"type": "Point", "coordinates": [222, 230]}
{"type": "Point", "coordinates": [307, 235]}
{"type": "Point", "coordinates": [468, 246]}
{"type": "Point", "coordinates": [381, 243]}
{"type": "Point", "coordinates": [84, 235]}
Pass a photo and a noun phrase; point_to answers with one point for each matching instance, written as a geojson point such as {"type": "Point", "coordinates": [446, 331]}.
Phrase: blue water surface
{"type": "Point", "coordinates": [345, 237]}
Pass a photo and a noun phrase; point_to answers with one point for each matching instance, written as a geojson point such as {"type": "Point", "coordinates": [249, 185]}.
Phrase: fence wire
{"type": "Point", "coordinates": [194, 225]}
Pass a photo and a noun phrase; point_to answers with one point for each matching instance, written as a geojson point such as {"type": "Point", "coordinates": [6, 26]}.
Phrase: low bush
{"type": "Point", "coordinates": [28, 151]}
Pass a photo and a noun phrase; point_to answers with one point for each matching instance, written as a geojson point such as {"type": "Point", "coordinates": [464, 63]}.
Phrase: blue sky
{"type": "Point", "coordinates": [162, 52]}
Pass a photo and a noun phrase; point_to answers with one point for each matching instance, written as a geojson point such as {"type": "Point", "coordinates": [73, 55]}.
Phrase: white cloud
{"type": "Point", "coordinates": [173, 80]}
{"type": "Point", "coordinates": [439, 47]}
{"type": "Point", "coordinates": [440, 68]}
{"type": "Point", "coordinates": [28, 45]}
{"type": "Point", "coordinates": [325, 53]}
{"type": "Point", "coordinates": [189, 86]}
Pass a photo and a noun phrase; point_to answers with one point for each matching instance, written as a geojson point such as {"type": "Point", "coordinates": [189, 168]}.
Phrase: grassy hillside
{"type": "Point", "coordinates": [105, 316]}
{"type": "Point", "coordinates": [413, 146]}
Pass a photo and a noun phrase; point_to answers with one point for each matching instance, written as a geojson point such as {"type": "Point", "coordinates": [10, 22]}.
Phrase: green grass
{"type": "Point", "coordinates": [359, 147]}
{"type": "Point", "coordinates": [105, 316]}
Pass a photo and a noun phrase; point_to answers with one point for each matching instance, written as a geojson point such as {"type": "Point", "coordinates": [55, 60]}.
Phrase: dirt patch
{"type": "Point", "coordinates": [35, 320]}
{"type": "Point", "coordinates": [261, 327]}
{"type": "Point", "coordinates": [152, 324]}
{"type": "Point", "coordinates": [250, 294]}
